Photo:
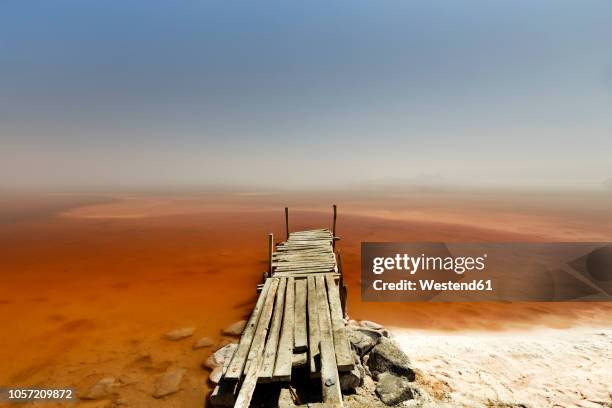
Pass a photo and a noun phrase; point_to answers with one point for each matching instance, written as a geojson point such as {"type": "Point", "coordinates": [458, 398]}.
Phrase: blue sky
{"type": "Point", "coordinates": [196, 93]}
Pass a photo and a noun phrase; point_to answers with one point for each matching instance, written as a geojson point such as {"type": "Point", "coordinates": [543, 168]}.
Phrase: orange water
{"type": "Point", "coordinates": [85, 297]}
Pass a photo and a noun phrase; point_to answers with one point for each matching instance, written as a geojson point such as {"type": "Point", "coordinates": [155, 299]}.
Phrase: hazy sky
{"type": "Point", "coordinates": [304, 93]}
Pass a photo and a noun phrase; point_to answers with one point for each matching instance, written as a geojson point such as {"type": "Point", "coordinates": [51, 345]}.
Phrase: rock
{"type": "Point", "coordinates": [217, 359]}
{"type": "Point", "coordinates": [102, 389]}
{"type": "Point", "coordinates": [223, 342]}
{"type": "Point", "coordinates": [371, 325]}
{"type": "Point", "coordinates": [203, 342]}
{"type": "Point", "coordinates": [386, 356]}
{"type": "Point", "coordinates": [235, 329]}
{"type": "Point", "coordinates": [375, 332]}
{"type": "Point", "coordinates": [215, 375]}
{"type": "Point", "coordinates": [351, 379]}
{"type": "Point", "coordinates": [362, 342]}
{"type": "Point", "coordinates": [179, 334]}
{"type": "Point", "coordinates": [392, 389]}
{"type": "Point", "coordinates": [169, 382]}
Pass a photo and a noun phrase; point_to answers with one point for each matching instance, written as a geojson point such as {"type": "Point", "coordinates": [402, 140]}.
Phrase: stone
{"type": "Point", "coordinates": [371, 325]}
{"type": "Point", "coordinates": [235, 329]}
{"type": "Point", "coordinates": [169, 382]}
{"type": "Point", "coordinates": [215, 375]}
{"type": "Point", "coordinates": [202, 343]}
{"type": "Point", "coordinates": [392, 389]}
{"type": "Point", "coordinates": [386, 356]}
{"type": "Point", "coordinates": [362, 342]}
{"type": "Point", "coordinates": [217, 359]}
{"type": "Point", "coordinates": [375, 332]}
{"type": "Point", "coordinates": [351, 379]}
{"type": "Point", "coordinates": [102, 389]}
{"type": "Point", "coordinates": [179, 334]}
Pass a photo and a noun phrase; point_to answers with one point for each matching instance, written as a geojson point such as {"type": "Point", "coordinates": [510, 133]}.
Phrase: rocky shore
{"type": "Point", "coordinates": [532, 369]}
{"type": "Point", "coordinates": [383, 375]}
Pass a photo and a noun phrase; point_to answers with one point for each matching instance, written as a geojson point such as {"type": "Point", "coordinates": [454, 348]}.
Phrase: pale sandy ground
{"type": "Point", "coordinates": [539, 368]}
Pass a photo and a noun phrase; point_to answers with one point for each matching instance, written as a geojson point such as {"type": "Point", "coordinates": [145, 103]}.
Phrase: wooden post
{"type": "Point", "coordinates": [270, 250]}
{"type": "Point", "coordinates": [341, 287]}
{"type": "Point", "coordinates": [287, 221]}
{"type": "Point", "coordinates": [334, 228]}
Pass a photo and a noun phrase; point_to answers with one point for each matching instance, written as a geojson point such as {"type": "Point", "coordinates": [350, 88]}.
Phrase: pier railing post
{"type": "Point", "coordinates": [341, 286]}
{"type": "Point", "coordinates": [270, 250]}
{"type": "Point", "coordinates": [334, 228]}
{"type": "Point", "coordinates": [287, 221]}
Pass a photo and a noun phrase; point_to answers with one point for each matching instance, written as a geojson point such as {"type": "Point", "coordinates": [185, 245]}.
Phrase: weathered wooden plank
{"type": "Point", "coordinates": [305, 270]}
{"type": "Point", "coordinates": [284, 355]}
{"type": "Point", "coordinates": [269, 358]}
{"type": "Point", "coordinates": [303, 274]}
{"type": "Point", "coordinates": [313, 327]}
{"type": "Point", "coordinates": [307, 232]}
{"type": "Point", "coordinates": [295, 256]}
{"type": "Point", "coordinates": [330, 382]}
{"type": "Point", "coordinates": [322, 237]}
{"type": "Point", "coordinates": [309, 263]}
{"type": "Point", "coordinates": [300, 359]}
{"type": "Point", "coordinates": [301, 255]}
{"type": "Point", "coordinates": [255, 356]}
{"type": "Point", "coordinates": [236, 366]}
{"type": "Point", "coordinates": [302, 243]}
{"type": "Point", "coordinates": [342, 347]}
{"type": "Point", "coordinates": [302, 250]}
{"type": "Point", "coordinates": [310, 239]}
{"type": "Point", "coordinates": [300, 338]}
{"type": "Point", "coordinates": [305, 259]}
{"type": "Point", "coordinates": [313, 267]}
{"type": "Point", "coordinates": [322, 242]}
{"type": "Point", "coordinates": [286, 249]}
{"type": "Point", "coordinates": [225, 391]}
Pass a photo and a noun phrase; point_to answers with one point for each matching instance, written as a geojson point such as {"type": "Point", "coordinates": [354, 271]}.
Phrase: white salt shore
{"type": "Point", "coordinates": [539, 368]}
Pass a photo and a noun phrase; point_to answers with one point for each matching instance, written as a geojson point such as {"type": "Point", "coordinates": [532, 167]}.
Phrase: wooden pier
{"type": "Point", "coordinates": [297, 322]}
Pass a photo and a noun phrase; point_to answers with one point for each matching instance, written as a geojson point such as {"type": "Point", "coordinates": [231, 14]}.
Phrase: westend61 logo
{"type": "Point", "coordinates": [458, 272]}
{"type": "Point", "coordinates": [412, 264]}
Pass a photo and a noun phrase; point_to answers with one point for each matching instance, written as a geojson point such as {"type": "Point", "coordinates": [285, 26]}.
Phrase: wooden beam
{"type": "Point", "coordinates": [270, 252]}
{"type": "Point", "coordinates": [255, 356]}
{"type": "Point", "coordinates": [236, 367]}
{"type": "Point", "coordinates": [313, 327]}
{"type": "Point", "coordinates": [342, 347]}
{"type": "Point", "coordinates": [269, 358]}
{"type": "Point", "coordinates": [334, 227]}
{"type": "Point", "coordinates": [287, 221]}
{"type": "Point", "coordinates": [284, 356]}
{"type": "Point", "coordinates": [330, 382]}
{"type": "Point", "coordinates": [297, 275]}
{"type": "Point", "coordinates": [300, 342]}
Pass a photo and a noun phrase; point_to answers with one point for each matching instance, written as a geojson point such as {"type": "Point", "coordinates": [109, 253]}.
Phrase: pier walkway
{"type": "Point", "coordinates": [297, 323]}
